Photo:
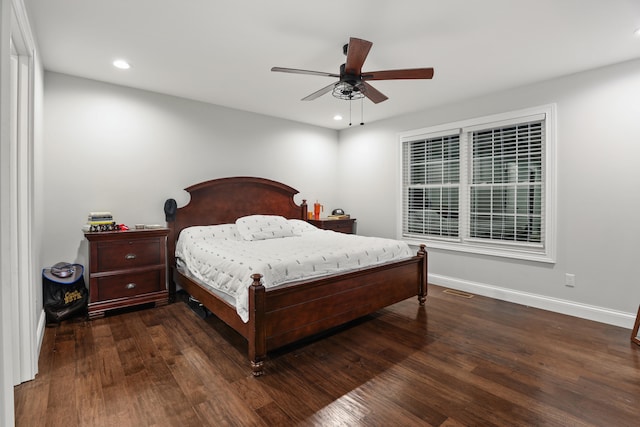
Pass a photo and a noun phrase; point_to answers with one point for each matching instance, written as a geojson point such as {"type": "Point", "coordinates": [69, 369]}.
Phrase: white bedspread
{"type": "Point", "coordinates": [220, 258]}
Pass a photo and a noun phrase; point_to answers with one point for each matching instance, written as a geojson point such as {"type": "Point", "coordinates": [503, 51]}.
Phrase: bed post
{"type": "Point", "coordinates": [422, 293]}
{"type": "Point", "coordinates": [257, 330]}
{"type": "Point", "coordinates": [170, 207]}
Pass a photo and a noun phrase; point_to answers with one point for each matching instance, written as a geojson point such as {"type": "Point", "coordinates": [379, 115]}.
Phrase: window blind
{"type": "Point", "coordinates": [431, 182]}
{"type": "Point", "coordinates": [506, 188]}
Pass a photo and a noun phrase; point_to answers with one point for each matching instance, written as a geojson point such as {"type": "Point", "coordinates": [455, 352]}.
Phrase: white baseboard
{"type": "Point", "coordinates": [42, 323]}
{"type": "Point", "coordinates": [571, 308]}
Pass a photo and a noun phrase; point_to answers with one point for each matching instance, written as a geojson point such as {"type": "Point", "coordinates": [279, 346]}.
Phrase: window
{"type": "Point", "coordinates": [433, 186]}
{"type": "Point", "coordinates": [484, 185]}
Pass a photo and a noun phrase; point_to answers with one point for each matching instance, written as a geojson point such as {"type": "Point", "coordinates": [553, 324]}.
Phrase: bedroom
{"type": "Point", "coordinates": [134, 148]}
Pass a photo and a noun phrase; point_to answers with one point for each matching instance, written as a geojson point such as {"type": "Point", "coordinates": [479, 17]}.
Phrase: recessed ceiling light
{"type": "Point", "coordinates": [637, 32]}
{"type": "Point", "coordinates": [337, 117]}
{"type": "Point", "coordinates": [122, 64]}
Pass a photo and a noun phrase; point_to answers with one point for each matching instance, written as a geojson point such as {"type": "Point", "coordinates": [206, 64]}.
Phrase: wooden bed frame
{"type": "Point", "coordinates": [287, 313]}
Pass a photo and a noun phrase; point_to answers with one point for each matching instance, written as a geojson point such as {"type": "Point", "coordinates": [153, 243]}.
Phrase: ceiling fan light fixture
{"type": "Point", "coordinates": [347, 91]}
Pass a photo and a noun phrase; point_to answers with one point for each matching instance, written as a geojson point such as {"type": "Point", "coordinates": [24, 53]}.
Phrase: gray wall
{"type": "Point", "coordinates": [123, 150]}
{"type": "Point", "coordinates": [598, 118]}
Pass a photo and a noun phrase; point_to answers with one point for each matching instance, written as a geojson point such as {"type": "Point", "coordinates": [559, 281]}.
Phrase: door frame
{"type": "Point", "coordinates": [18, 330]}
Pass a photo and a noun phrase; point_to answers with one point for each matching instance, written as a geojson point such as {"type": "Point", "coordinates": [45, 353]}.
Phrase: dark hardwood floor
{"type": "Point", "coordinates": [455, 362]}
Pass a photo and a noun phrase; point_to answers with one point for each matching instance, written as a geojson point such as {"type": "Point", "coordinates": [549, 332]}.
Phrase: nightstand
{"type": "Point", "coordinates": [341, 225]}
{"type": "Point", "coordinates": [127, 268]}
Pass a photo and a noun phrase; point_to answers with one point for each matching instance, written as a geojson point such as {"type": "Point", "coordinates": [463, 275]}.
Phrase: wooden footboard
{"type": "Point", "coordinates": [287, 314]}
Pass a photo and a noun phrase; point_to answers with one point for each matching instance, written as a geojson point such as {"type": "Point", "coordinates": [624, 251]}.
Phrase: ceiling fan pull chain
{"type": "Point", "coordinates": [361, 111]}
{"type": "Point", "coordinates": [350, 101]}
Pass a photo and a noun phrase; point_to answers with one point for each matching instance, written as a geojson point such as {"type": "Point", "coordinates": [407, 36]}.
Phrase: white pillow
{"type": "Point", "coordinates": [206, 232]}
{"type": "Point", "coordinates": [262, 227]}
{"type": "Point", "coordinates": [300, 226]}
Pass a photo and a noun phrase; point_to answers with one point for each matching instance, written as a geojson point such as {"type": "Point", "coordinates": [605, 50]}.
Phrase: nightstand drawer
{"type": "Point", "coordinates": [124, 286]}
{"type": "Point", "coordinates": [128, 254]}
{"type": "Point", "coordinates": [342, 227]}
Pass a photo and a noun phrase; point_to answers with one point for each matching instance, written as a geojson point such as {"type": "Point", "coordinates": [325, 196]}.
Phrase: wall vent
{"type": "Point", "coordinates": [458, 293]}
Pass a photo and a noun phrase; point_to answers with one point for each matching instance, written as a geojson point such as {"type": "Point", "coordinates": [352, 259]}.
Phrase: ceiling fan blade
{"type": "Point", "coordinates": [357, 52]}
{"type": "Point", "coordinates": [296, 71]}
{"type": "Point", "coordinates": [412, 73]}
{"type": "Point", "coordinates": [319, 93]}
{"type": "Point", "coordinates": [373, 94]}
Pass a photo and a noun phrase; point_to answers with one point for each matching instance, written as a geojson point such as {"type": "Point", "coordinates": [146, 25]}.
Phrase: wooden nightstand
{"type": "Point", "coordinates": [127, 268]}
{"type": "Point", "coordinates": [342, 225]}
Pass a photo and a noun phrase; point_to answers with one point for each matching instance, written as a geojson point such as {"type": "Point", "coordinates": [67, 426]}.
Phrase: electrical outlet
{"type": "Point", "coordinates": [570, 280]}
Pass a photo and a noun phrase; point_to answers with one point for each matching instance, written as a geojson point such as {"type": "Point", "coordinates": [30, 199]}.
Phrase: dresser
{"type": "Point", "coordinates": [127, 268]}
{"type": "Point", "coordinates": [346, 225]}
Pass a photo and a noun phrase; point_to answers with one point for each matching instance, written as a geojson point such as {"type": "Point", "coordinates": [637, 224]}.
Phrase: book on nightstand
{"type": "Point", "coordinates": [343, 216]}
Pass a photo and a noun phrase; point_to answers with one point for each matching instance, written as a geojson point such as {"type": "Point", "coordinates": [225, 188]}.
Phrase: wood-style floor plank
{"type": "Point", "coordinates": [88, 386]}
{"type": "Point", "coordinates": [455, 362]}
{"type": "Point", "coordinates": [62, 383]}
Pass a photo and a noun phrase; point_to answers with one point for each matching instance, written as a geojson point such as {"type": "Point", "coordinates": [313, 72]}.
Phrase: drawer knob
{"type": "Point", "coordinates": [130, 256]}
{"type": "Point", "coordinates": [131, 285]}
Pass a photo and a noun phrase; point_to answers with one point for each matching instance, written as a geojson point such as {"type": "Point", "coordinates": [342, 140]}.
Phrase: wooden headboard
{"type": "Point", "coordinates": [222, 201]}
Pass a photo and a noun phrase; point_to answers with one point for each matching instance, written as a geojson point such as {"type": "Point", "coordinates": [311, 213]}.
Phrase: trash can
{"type": "Point", "coordinates": [64, 292]}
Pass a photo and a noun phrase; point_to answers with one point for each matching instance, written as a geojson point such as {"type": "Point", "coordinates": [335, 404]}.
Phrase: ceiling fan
{"type": "Point", "coordinates": [353, 82]}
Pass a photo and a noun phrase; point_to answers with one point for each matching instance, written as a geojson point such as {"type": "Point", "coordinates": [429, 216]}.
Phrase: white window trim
{"type": "Point", "coordinates": [545, 253]}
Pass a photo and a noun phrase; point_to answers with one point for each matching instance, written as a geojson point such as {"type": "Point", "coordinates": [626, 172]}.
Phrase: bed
{"type": "Point", "coordinates": [289, 312]}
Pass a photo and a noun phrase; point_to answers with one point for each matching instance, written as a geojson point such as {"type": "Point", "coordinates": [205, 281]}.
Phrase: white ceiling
{"type": "Point", "coordinates": [221, 52]}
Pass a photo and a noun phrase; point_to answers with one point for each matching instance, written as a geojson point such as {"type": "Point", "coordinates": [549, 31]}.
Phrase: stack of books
{"type": "Point", "coordinates": [99, 221]}
{"type": "Point", "coordinates": [98, 218]}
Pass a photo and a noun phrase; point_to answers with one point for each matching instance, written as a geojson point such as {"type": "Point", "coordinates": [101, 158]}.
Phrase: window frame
{"type": "Point", "coordinates": [545, 251]}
